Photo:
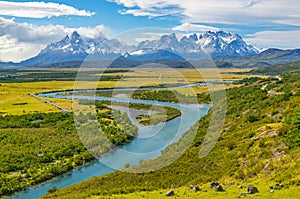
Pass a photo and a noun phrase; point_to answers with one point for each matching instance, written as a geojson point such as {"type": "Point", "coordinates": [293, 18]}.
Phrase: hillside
{"type": "Point", "coordinates": [266, 58]}
{"type": "Point", "coordinates": [259, 145]}
{"type": "Point", "coordinates": [277, 69]}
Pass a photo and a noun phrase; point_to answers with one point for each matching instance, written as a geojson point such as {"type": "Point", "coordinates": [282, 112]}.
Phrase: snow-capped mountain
{"type": "Point", "coordinates": [76, 48]}
{"type": "Point", "coordinates": [194, 46]}
{"type": "Point", "coordinates": [225, 43]}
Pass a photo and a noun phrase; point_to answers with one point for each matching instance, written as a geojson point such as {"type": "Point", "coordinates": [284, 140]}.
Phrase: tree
{"type": "Point", "coordinates": [292, 138]}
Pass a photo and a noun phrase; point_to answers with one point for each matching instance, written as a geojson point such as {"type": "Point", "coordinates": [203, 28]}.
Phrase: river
{"type": "Point", "coordinates": [148, 144]}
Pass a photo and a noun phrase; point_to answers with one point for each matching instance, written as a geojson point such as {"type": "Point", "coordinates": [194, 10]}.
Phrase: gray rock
{"type": "Point", "coordinates": [196, 189]}
{"type": "Point", "coordinates": [170, 193]}
{"type": "Point", "coordinates": [271, 191]}
{"type": "Point", "coordinates": [219, 188]}
{"type": "Point", "coordinates": [252, 189]}
{"type": "Point", "coordinates": [192, 186]}
{"type": "Point", "coordinates": [240, 187]}
{"type": "Point", "coordinates": [214, 184]}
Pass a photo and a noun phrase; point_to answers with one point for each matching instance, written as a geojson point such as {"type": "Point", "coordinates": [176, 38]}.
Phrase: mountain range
{"type": "Point", "coordinates": [225, 48]}
{"type": "Point", "coordinates": [266, 58]}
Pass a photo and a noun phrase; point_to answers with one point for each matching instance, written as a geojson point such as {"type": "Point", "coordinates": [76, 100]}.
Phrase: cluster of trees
{"type": "Point", "coordinates": [48, 75]}
{"type": "Point", "coordinates": [163, 114]}
{"type": "Point", "coordinates": [37, 147]}
{"type": "Point", "coordinates": [170, 96]}
{"type": "Point", "coordinates": [116, 125]}
{"type": "Point", "coordinates": [292, 136]}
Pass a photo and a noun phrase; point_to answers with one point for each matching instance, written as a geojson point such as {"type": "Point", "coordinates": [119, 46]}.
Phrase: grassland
{"type": "Point", "coordinates": [15, 97]}
{"type": "Point", "coordinates": [231, 191]}
{"type": "Point", "coordinates": [48, 138]}
{"type": "Point", "coordinates": [259, 145]}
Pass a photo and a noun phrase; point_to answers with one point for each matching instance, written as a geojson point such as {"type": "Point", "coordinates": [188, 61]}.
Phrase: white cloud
{"type": "Point", "coordinates": [39, 9]}
{"type": "Point", "coordinates": [188, 27]}
{"type": "Point", "coordinates": [149, 8]}
{"type": "Point", "coordinates": [12, 50]}
{"type": "Point", "coordinates": [260, 13]}
{"type": "Point", "coordinates": [277, 39]}
{"type": "Point", "coordinates": [150, 36]}
{"type": "Point", "coordinates": [21, 41]}
{"type": "Point", "coordinates": [138, 13]}
{"type": "Point", "coordinates": [219, 11]}
{"type": "Point", "coordinates": [90, 32]}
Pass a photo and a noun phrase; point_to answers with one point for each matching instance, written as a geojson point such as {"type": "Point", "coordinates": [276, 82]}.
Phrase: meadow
{"type": "Point", "coordinates": [259, 145]}
{"type": "Point", "coordinates": [231, 191]}
{"type": "Point", "coordinates": [15, 97]}
{"type": "Point", "coordinates": [39, 142]}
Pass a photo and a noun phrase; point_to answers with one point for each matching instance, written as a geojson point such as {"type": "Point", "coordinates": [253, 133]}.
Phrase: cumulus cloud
{"type": "Point", "coordinates": [278, 39]}
{"type": "Point", "coordinates": [260, 13]}
{"type": "Point", "coordinates": [218, 11]}
{"type": "Point", "coordinates": [188, 27]}
{"type": "Point", "coordinates": [20, 41]}
{"type": "Point", "coordinates": [12, 50]}
{"type": "Point", "coordinates": [39, 9]}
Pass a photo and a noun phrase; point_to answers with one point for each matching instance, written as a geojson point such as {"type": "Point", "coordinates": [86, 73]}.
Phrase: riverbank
{"type": "Point", "coordinates": [259, 145]}
{"type": "Point", "coordinates": [169, 134]}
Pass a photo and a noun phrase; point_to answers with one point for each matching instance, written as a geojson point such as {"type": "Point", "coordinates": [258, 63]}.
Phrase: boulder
{"type": "Point", "coordinates": [170, 193]}
{"type": "Point", "coordinates": [192, 186]}
{"type": "Point", "coordinates": [219, 188]}
{"type": "Point", "coordinates": [214, 184]}
{"type": "Point", "coordinates": [196, 189]}
{"type": "Point", "coordinates": [252, 189]}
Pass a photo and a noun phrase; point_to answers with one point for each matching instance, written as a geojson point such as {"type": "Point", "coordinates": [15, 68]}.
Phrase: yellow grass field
{"type": "Point", "coordinates": [15, 97]}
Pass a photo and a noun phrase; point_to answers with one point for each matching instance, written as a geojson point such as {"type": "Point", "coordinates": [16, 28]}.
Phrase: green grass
{"type": "Point", "coordinates": [251, 149]}
{"type": "Point", "coordinates": [255, 133]}
{"type": "Point", "coordinates": [231, 191]}
{"type": "Point", "coordinates": [163, 114]}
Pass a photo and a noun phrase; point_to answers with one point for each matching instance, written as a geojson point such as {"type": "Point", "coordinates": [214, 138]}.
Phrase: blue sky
{"type": "Point", "coordinates": [27, 26]}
